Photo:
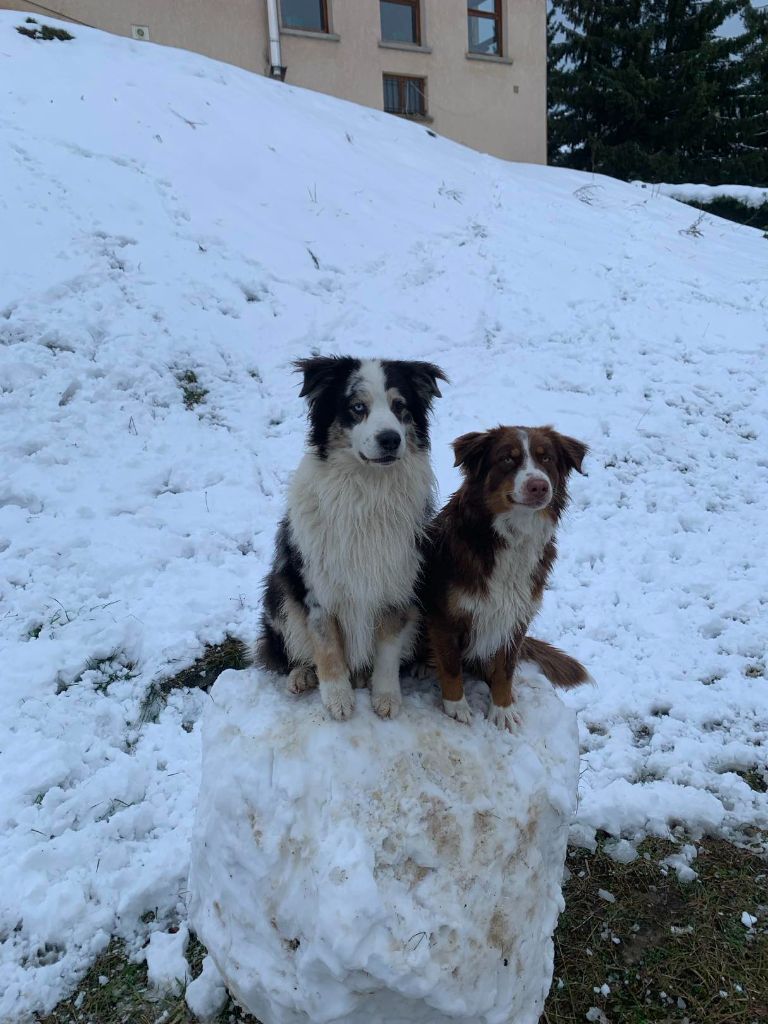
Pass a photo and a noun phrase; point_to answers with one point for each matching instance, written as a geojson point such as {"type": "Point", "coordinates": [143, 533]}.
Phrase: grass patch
{"type": "Point", "coordinates": [192, 390]}
{"type": "Point", "coordinates": [102, 672]}
{"type": "Point", "coordinates": [230, 653]}
{"type": "Point", "coordinates": [680, 945]}
{"type": "Point", "coordinates": [116, 991]}
{"type": "Point", "coordinates": [756, 778]}
{"type": "Point", "coordinates": [202, 673]}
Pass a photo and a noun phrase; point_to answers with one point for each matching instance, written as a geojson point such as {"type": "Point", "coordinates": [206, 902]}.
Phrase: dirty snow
{"type": "Point", "coordinates": [161, 215]}
{"type": "Point", "coordinates": [394, 879]}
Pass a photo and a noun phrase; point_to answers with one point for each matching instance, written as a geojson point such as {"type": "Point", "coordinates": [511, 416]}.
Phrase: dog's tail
{"type": "Point", "coordinates": [559, 668]}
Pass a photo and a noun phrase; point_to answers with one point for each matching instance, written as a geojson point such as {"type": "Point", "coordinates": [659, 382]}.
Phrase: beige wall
{"type": "Point", "coordinates": [495, 106]}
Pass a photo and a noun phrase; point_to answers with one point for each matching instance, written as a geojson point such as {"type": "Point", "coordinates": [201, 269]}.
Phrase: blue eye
{"type": "Point", "coordinates": [358, 408]}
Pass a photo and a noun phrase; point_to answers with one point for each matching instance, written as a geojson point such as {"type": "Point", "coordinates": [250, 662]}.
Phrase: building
{"type": "Point", "coordinates": [474, 70]}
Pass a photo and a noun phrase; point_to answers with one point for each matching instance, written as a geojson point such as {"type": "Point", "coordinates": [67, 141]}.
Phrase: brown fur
{"type": "Point", "coordinates": [464, 547]}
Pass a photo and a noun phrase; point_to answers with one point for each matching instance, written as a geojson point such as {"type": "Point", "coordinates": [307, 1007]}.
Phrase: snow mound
{"type": "Point", "coordinates": [406, 871]}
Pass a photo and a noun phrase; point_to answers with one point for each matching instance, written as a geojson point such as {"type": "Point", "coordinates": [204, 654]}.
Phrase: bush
{"type": "Point", "coordinates": [45, 32]}
{"type": "Point", "coordinates": [732, 209]}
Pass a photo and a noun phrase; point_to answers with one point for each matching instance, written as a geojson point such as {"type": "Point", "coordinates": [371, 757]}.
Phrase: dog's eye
{"type": "Point", "coordinates": [398, 406]}
{"type": "Point", "coordinates": [507, 458]}
{"type": "Point", "coordinates": [358, 408]}
{"type": "Point", "coordinates": [546, 458]}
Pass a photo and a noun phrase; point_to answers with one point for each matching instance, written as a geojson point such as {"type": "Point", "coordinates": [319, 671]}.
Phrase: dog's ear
{"type": "Point", "coordinates": [572, 452]}
{"type": "Point", "coordinates": [425, 377]}
{"type": "Point", "coordinates": [469, 450]}
{"type": "Point", "coordinates": [319, 372]}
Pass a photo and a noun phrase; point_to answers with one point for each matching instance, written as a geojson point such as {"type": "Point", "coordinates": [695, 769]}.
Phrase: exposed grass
{"type": "Point", "coordinates": [680, 946]}
{"type": "Point", "coordinates": [116, 991]}
{"type": "Point", "coordinates": [202, 673]}
{"type": "Point", "coordinates": [756, 778]}
{"type": "Point", "coordinates": [102, 672]}
{"type": "Point", "coordinates": [192, 390]}
{"type": "Point", "coordinates": [682, 952]}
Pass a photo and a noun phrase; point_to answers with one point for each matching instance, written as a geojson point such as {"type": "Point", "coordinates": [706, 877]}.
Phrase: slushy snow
{"type": "Point", "coordinates": [163, 215]}
{"type": "Point", "coordinates": [359, 871]}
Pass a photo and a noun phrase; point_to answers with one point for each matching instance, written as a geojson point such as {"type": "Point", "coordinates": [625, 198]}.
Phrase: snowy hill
{"type": "Point", "coordinates": [174, 233]}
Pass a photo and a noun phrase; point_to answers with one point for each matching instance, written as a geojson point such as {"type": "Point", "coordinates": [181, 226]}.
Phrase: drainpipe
{"type": "Point", "coordinates": [276, 67]}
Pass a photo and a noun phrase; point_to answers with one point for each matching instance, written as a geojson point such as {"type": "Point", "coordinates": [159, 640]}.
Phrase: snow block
{"type": "Point", "coordinates": [379, 872]}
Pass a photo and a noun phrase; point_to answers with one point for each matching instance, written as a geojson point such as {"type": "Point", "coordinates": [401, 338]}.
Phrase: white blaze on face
{"type": "Point", "coordinates": [370, 386]}
{"type": "Point", "coordinates": [529, 471]}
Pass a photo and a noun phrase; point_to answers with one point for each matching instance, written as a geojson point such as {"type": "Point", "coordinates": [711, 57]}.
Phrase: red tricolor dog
{"type": "Point", "coordinates": [491, 551]}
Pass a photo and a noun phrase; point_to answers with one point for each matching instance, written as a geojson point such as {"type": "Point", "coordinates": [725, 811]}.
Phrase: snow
{"type": "Point", "coordinates": [162, 213]}
{"type": "Point", "coordinates": [620, 850]}
{"type": "Point", "coordinates": [681, 863]}
{"type": "Point", "coordinates": [206, 996]}
{"type": "Point", "coordinates": [353, 871]}
{"type": "Point", "coordinates": [750, 195]}
{"type": "Point", "coordinates": [167, 967]}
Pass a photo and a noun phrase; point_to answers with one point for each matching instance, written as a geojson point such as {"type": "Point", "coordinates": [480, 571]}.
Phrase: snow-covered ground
{"type": "Point", "coordinates": [161, 214]}
{"type": "Point", "coordinates": [748, 195]}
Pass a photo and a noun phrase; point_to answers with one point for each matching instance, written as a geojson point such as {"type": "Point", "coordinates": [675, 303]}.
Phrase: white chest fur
{"type": "Point", "coordinates": [357, 528]}
{"type": "Point", "coordinates": [508, 601]}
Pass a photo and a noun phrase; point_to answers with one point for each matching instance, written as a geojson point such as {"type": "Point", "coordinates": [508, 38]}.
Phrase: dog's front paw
{"type": "Point", "coordinates": [387, 704]}
{"type": "Point", "coordinates": [301, 679]}
{"type": "Point", "coordinates": [338, 698]}
{"type": "Point", "coordinates": [458, 709]}
{"type": "Point", "coordinates": [503, 718]}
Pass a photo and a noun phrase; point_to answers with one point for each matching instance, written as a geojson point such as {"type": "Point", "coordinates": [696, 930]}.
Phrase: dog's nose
{"type": "Point", "coordinates": [536, 488]}
{"type": "Point", "coordinates": [388, 441]}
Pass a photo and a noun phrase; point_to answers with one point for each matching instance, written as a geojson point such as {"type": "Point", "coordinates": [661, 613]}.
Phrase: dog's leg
{"type": "Point", "coordinates": [500, 676]}
{"type": "Point", "coordinates": [392, 635]}
{"type": "Point", "coordinates": [332, 673]}
{"type": "Point", "coordinates": [447, 656]}
{"type": "Point", "coordinates": [302, 678]}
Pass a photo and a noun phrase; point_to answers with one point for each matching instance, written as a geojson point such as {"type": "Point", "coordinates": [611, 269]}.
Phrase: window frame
{"type": "Point", "coordinates": [497, 16]}
{"type": "Point", "coordinates": [415, 6]}
{"type": "Point", "coordinates": [324, 17]}
{"type": "Point", "coordinates": [402, 80]}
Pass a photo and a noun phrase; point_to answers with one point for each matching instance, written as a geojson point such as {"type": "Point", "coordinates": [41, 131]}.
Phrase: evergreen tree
{"type": "Point", "coordinates": [646, 88]}
{"type": "Point", "coordinates": [754, 98]}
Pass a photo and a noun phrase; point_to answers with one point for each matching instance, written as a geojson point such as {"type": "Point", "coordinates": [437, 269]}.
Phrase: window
{"type": "Point", "coordinates": [405, 95]}
{"type": "Point", "coordinates": [484, 18]}
{"type": "Point", "coordinates": [400, 21]}
{"type": "Point", "coordinates": [311, 15]}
